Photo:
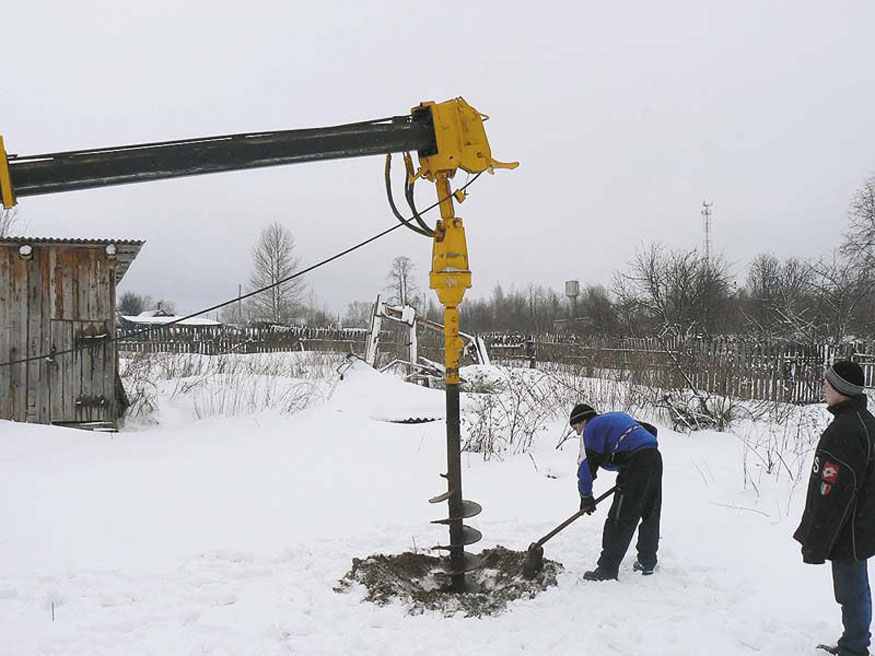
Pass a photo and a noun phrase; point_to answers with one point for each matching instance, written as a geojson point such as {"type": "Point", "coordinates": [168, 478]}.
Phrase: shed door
{"type": "Point", "coordinates": [82, 382]}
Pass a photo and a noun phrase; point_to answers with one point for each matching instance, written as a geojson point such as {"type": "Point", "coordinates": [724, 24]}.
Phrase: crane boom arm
{"type": "Point", "coordinates": [447, 136]}
{"type": "Point", "coordinates": [86, 169]}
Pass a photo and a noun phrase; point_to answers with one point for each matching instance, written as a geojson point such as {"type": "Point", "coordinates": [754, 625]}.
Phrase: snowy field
{"type": "Point", "coordinates": [226, 535]}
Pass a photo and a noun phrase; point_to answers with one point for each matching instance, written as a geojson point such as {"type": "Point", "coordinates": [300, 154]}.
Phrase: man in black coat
{"type": "Point", "coordinates": [838, 523]}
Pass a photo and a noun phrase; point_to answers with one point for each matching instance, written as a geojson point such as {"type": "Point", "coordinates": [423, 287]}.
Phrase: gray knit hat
{"type": "Point", "coordinates": [580, 412]}
{"type": "Point", "coordinates": [846, 378]}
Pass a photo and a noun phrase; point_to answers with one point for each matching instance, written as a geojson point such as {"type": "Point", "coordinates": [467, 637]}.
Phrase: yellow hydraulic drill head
{"type": "Point", "coordinates": [460, 144]}
{"type": "Point", "coordinates": [6, 195]}
{"type": "Point", "coordinates": [450, 275]}
{"type": "Point", "coordinates": [460, 139]}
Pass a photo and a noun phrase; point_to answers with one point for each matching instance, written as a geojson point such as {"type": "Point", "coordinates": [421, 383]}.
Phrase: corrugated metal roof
{"type": "Point", "coordinates": [126, 249]}
{"type": "Point", "coordinates": [68, 240]}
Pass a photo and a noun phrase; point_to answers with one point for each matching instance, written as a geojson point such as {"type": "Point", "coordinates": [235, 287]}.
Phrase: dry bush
{"type": "Point", "coordinates": [693, 410]}
{"type": "Point", "coordinates": [507, 418]}
{"type": "Point", "coordinates": [230, 396]}
{"type": "Point", "coordinates": [778, 441]}
{"type": "Point", "coordinates": [230, 384]}
{"type": "Point", "coordinates": [514, 406]}
{"type": "Point", "coordinates": [139, 382]}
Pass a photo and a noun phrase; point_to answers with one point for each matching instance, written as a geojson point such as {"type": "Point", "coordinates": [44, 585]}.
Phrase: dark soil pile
{"type": "Point", "coordinates": [420, 582]}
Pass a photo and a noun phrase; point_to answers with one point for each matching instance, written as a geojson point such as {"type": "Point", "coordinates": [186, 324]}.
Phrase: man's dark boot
{"type": "Point", "coordinates": [839, 651]}
{"type": "Point", "coordinates": [599, 574]}
{"type": "Point", "coordinates": [638, 567]}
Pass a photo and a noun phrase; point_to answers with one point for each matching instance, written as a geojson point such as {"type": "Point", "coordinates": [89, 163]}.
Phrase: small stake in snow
{"type": "Point", "coordinates": [534, 561]}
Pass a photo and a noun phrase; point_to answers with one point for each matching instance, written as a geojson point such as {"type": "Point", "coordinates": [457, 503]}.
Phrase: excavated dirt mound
{"type": "Point", "coordinates": [419, 582]}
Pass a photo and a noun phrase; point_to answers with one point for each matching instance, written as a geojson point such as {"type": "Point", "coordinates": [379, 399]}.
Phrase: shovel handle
{"type": "Point", "coordinates": [573, 517]}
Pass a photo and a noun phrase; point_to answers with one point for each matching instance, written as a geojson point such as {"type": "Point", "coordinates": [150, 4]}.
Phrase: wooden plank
{"type": "Point", "coordinates": [92, 376]}
{"type": "Point", "coordinates": [98, 369]}
{"type": "Point", "coordinates": [74, 311]}
{"type": "Point", "coordinates": [45, 399]}
{"type": "Point", "coordinates": [6, 254]}
{"type": "Point", "coordinates": [68, 368]}
{"type": "Point", "coordinates": [98, 312]}
{"type": "Point", "coordinates": [34, 334]}
{"type": "Point", "coordinates": [59, 375]}
{"type": "Point", "coordinates": [55, 313]}
{"type": "Point", "coordinates": [57, 284]}
{"type": "Point", "coordinates": [79, 362]}
{"type": "Point", "coordinates": [81, 330]}
{"type": "Point", "coordinates": [87, 301]}
{"type": "Point", "coordinates": [63, 281]}
{"type": "Point", "coordinates": [112, 354]}
{"type": "Point", "coordinates": [69, 373]}
{"type": "Point", "coordinates": [19, 337]}
{"type": "Point", "coordinates": [65, 270]}
{"type": "Point", "coordinates": [104, 313]}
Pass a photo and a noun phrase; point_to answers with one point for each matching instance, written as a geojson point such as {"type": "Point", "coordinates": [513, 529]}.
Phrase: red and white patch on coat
{"type": "Point", "coordinates": [825, 488]}
{"type": "Point", "coordinates": [830, 472]}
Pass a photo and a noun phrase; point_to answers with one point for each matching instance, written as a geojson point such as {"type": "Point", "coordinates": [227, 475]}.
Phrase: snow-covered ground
{"type": "Point", "coordinates": [227, 536]}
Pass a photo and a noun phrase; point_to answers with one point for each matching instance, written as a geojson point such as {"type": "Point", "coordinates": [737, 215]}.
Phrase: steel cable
{"type": "Point", "coordinates": [236, 299]}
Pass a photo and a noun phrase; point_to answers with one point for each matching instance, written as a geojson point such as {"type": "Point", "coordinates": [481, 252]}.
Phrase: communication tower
{"type": "Point", "coordinates": [706, 214]}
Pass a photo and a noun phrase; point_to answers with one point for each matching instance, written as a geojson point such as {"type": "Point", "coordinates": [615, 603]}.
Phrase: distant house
{"type": "Point", "coordinates": [160, 317]}
{"type": "Point", "coordinates": [159, 331]}
{"type": "Point", "coordinates": [57, 309]}
{"type": "Point", "coordinates": [157, 312]}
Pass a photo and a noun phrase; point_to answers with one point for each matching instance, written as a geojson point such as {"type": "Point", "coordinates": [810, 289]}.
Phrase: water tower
{"type": "Point", "coordinates": [572, 291]}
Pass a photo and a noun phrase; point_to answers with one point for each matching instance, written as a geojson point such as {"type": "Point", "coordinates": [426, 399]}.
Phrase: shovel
{"type": "Point", "coordinates": [534, 561]}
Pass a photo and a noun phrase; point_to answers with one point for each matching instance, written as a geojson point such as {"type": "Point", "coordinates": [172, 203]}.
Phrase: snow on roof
{"type": "Point", "coordinates": [158, 321]}
{"type": "Point", "coordinates": [156, 312]}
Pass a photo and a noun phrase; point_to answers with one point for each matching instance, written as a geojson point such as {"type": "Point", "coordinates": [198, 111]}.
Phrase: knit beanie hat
{"type": "Point", "coordinates": [581, 411]}
{"type": "Point", "coordinates": [846, 378]}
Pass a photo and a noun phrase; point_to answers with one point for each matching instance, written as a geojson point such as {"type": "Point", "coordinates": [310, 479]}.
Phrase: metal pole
{"type": "Point", "coordinates": [454, 475]}
{"type": "Point", "coordinates": [450, 277]}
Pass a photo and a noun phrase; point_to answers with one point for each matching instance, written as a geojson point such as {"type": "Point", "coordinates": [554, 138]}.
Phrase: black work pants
{"type": "Point", "coordinates": [638, 498]}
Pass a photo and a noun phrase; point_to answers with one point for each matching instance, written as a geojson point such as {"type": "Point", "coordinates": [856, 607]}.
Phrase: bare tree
{"type": "Point", "coordinates": [273, 261]}
{"type": "Point", "coordinates": [317, 314]}
{"type": "Point", "coordinates": [676, 291]}
{"type": "Point", "coordinates": [598, 311]}
{"type": "Point", "coordinates": [402, 282]}
{"type": "Point", "coordinates": [237, 313]}
{"type": "Point", "coordinates": [8, 218]}
{"type": "Point", "coordinates": [859, 243]}
{"type": "Point", "coordinates": [130, 304]}
{"type": "Point", "coordinates": [840, 289]}
{"type": "Point", "coordinates": [358, 314]}
{"type": "Point", "coordinates": [777, 299]}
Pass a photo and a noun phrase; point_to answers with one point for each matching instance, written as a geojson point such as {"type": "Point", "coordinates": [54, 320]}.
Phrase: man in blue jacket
{"type": "Point", "coordinates": [838, 523]}
{"type": "Point", "coordinates": [617, 442]}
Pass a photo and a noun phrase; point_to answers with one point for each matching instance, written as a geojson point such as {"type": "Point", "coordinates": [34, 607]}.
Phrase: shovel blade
{"type": "Point", "coordinates": [534, 561]}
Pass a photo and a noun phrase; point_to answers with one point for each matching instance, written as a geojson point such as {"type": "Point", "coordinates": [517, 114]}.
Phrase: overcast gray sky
{"type": "Point", "coordinates": [624, 116]}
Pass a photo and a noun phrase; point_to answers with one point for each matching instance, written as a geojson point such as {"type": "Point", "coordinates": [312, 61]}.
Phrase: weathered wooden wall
{"type": "Point", "coordinates": [63, 297]}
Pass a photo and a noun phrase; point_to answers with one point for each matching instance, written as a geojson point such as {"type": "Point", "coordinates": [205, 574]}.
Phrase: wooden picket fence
{"type": "Point", "coordinates": [220, 340]}
{"type": "Point", "coordinates": [722, 365]}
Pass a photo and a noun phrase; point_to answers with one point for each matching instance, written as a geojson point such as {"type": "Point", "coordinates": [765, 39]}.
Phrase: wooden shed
{"type": "Point", "coordinates": [59, 295]}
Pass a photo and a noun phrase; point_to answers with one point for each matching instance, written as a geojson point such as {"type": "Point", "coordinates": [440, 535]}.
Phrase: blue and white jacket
{"type": "Point", "coordinates": [608, 441]}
